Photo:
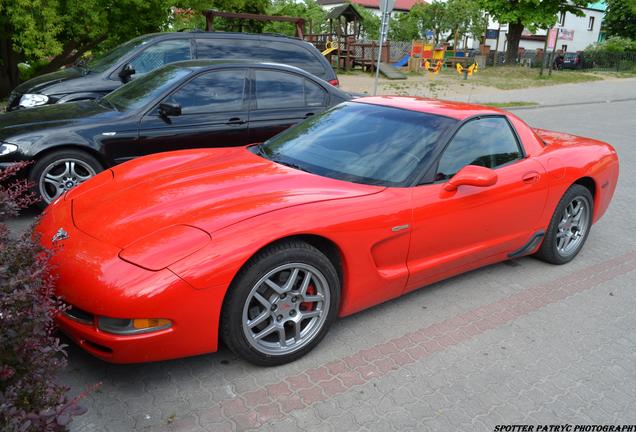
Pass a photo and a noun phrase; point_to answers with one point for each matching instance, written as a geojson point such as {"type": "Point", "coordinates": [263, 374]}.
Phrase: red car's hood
{"type": "Point", "coordinates": [208, 189]}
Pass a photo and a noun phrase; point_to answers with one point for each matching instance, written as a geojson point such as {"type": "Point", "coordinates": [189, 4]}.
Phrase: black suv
{"type": "Point", "coordinates": [146, 53]}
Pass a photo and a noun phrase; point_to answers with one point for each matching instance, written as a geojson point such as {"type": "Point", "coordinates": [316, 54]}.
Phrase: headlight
{"type": "Point", "coordinates": [124, 326]}
{"type": "Point", "coordinates": [5, 149]}
{"type": "Point", "coordinates": [31, 100]}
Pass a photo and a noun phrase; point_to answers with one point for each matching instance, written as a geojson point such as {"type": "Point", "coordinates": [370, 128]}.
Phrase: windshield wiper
{"type": "Point", "coordinates": [261, 151]}
{"type": "Point", "coordinates": [291, 165]}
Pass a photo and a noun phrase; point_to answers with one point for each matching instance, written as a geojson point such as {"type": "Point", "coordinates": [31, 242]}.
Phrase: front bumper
{"type": "Point", "coordinates": [91, 277]}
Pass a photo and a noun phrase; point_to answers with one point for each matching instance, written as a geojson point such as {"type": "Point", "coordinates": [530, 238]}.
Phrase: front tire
{"type": "Point", "coordinates": [569, 227]}
{"type": "Point", "coordinates": [60, 171]}
{"type": "Point", "coordinates": [281, 304]}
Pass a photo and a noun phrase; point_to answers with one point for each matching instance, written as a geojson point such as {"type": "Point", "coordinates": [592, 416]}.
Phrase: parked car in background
{"type": "Point", "coordinates": [149, 52]}
{"type": "Point", "coordinates": [572, 61]}
{"type": "Point", "coordinates": [262, 247]}
{"type": "Point", "coordinates": [198, 103]}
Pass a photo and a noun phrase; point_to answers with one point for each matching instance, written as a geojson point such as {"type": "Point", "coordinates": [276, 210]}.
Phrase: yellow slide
{"type": "Point", "coordinates": [331, 46]}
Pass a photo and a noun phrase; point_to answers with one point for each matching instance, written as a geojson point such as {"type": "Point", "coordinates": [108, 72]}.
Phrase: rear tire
{"type": "Point", "coordinates": [281, 304]}
{"type": "Point", "coordinates": [569, 227]}
{"type": "Point", "coordinates": [60, 171]}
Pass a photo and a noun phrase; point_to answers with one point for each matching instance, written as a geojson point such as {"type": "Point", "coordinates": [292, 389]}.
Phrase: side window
{"type": "Point", "coordinates": [487, 142]}
{"type": "Point", "coordinates": [217, 91]}
{"type": "Point", "coordinates": [279, 90]}
{"type": "Point", "coordinates": [161, 53]}
{"type": "Point", "coordinates": [315, 95]}
{"type": "Point", "coordinates": [225, 48]}
{"type": "Point", "coordinates": [292, 54]}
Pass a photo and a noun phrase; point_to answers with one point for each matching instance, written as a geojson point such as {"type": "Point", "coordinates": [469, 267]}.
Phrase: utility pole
{"type": "Point", "coordinates": [386, 6]}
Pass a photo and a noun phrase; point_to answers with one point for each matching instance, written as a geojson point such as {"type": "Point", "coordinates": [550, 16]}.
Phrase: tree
{"type": "Point", "coordinates": [404, 27]}
{"type": "Point", "coordinates": [433, 17]}
{"type": "Point", "coordinates": [28, 30]}
{"type": "Point", "coordinates": [311, 11]}
{"type": "Point", "coordinates": [620, 18]}
{"type": "Point", "coordinates": [370, 23]}
{"type": "Point", "coordinates": [465, 18]}
{"type": "Point", "coordinates": [531, 14]}
{"type": "Point", "coordinates": [63, 30]}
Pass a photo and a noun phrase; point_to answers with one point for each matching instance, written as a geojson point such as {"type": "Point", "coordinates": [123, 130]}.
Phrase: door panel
{"type": "Point", "coordinates": [214, 114]}
{"type": "Point", "coordinates": [454, 230]}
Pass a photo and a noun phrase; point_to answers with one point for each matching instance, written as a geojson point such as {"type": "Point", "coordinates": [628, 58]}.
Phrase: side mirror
{"type": "Point", "coordinates": [126, 72]}
{"type": "Point", "coordinates": [169, 109]}
{"type": "Point", "coordinates": [472, 175]}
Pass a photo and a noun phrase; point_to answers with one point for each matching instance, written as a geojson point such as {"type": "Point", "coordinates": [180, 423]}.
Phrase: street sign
{"type": "Point", "coordinates": [387, 5]}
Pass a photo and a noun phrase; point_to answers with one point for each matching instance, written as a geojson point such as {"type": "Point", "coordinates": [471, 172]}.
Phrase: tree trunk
{"type": "Point", "coordinates": [514, 36]}
{"type": "Point", "coordinates": [9, 73]}
{"type": "Point", "coordinates": [71, 52]}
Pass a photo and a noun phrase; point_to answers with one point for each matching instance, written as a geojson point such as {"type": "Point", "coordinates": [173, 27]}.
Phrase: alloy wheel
{"type": "Point", "coordinates": [286, 309]}
{"type": "Point", "coordinates": [63, 175]}
{"type": "Point", "coordinates": [573, 226]}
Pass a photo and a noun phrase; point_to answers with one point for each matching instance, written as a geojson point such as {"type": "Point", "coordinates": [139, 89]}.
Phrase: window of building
{"type": "Point", "coordinates": [590, 24]}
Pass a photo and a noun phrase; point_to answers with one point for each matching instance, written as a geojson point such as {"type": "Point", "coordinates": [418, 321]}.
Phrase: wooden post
{"type": "Point", "coordinates": [545, 51]}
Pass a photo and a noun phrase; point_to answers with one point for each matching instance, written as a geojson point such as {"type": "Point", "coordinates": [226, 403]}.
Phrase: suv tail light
{"type": "Point", "coordinates": [334, 82]}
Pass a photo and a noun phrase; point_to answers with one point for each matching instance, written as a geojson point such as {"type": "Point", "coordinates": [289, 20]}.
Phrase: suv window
{"type": "Point", "coordinates": [217, 91]}
{"type": "Point", "coordinates": [291, 54]}
{"type": "Point", "coordinates": [270, 51]}
{"type": "Point", "coordinates": [225, 48]}
{"type": "Point", "coordinates": [161, 53]}
{"type": "Point", "coordinates": [487, 142]}
{"type": "Point", "coordinates": [275, 89]}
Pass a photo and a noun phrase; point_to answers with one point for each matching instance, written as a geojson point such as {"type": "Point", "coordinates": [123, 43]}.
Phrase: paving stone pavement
{"type": "Point", "coordinates": [516, 342]}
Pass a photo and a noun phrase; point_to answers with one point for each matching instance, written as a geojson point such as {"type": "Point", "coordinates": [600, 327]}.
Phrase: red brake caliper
{"type": "Point", "coordinates": [307, 306]}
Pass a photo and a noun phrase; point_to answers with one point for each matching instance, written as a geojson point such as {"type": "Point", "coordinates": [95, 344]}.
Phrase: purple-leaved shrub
{"type": "Point", "coordinates": [30, 354]}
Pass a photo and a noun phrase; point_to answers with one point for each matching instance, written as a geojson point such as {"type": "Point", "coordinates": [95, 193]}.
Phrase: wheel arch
{"type": "Point", "coordinates": [75, 147]}
{"type": "Point", "coordinates": [325, 245]}
{"type": "Point", "coordinates": [589, 183]}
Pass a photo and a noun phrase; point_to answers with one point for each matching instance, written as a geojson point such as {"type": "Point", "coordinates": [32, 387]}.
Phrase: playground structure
{"type": "Point", "coordinates": [211, 14]}
{"type": "Point", "coordinates": [345, 50]}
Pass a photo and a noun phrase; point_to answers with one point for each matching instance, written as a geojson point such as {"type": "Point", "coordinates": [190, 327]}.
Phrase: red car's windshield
{"type": "Point", "coordinates": [360, 143]}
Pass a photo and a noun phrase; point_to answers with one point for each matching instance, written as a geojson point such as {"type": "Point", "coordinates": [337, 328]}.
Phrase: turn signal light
{"type": "Point", "coordinates": [124, 326]}
{"type": "Point", "coordinates": [148, 323]}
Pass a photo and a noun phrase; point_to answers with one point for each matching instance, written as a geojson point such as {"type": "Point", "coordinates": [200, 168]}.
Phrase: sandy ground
{"type": "Point", "coordinates": [455, 88]}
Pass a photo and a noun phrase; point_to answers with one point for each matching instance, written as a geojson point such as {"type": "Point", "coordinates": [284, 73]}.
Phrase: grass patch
{"type": "Point", "coordinates": [510, 104]}
{"type": "Point", "coordinates": [508, 78]}
{"type": "Point", "coordinates": [3, 104]}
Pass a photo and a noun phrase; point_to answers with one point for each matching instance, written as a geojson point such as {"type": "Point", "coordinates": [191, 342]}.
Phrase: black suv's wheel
{"type": "Point", "coordinates": [569, 227]}
{"type": "Point", "coordinates": [60, 171]}
{"type": "Point", "coordinates": [281, 304]}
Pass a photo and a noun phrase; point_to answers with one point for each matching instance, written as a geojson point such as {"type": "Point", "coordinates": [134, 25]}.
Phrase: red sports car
{"type": "Point", "coordinates": [264, 246]}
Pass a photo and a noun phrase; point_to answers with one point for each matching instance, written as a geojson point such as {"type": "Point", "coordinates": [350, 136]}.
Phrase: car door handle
{"type": "Point", "coordinates": [235, 121]}
{"type": "Point", "coordinates": [531, 177]}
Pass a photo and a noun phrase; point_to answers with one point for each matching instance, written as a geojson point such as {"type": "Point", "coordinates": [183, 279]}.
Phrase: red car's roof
{"type": "Point", "coordinates": [456, 110]}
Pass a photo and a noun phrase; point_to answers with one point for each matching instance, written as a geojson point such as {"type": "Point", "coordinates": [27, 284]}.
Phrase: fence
{"type": "Point", "coordinates": [587, 60]}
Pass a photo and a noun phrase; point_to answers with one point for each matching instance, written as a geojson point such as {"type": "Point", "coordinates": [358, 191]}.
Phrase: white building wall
{"type": "Point", "coordinates": [582, 37]}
